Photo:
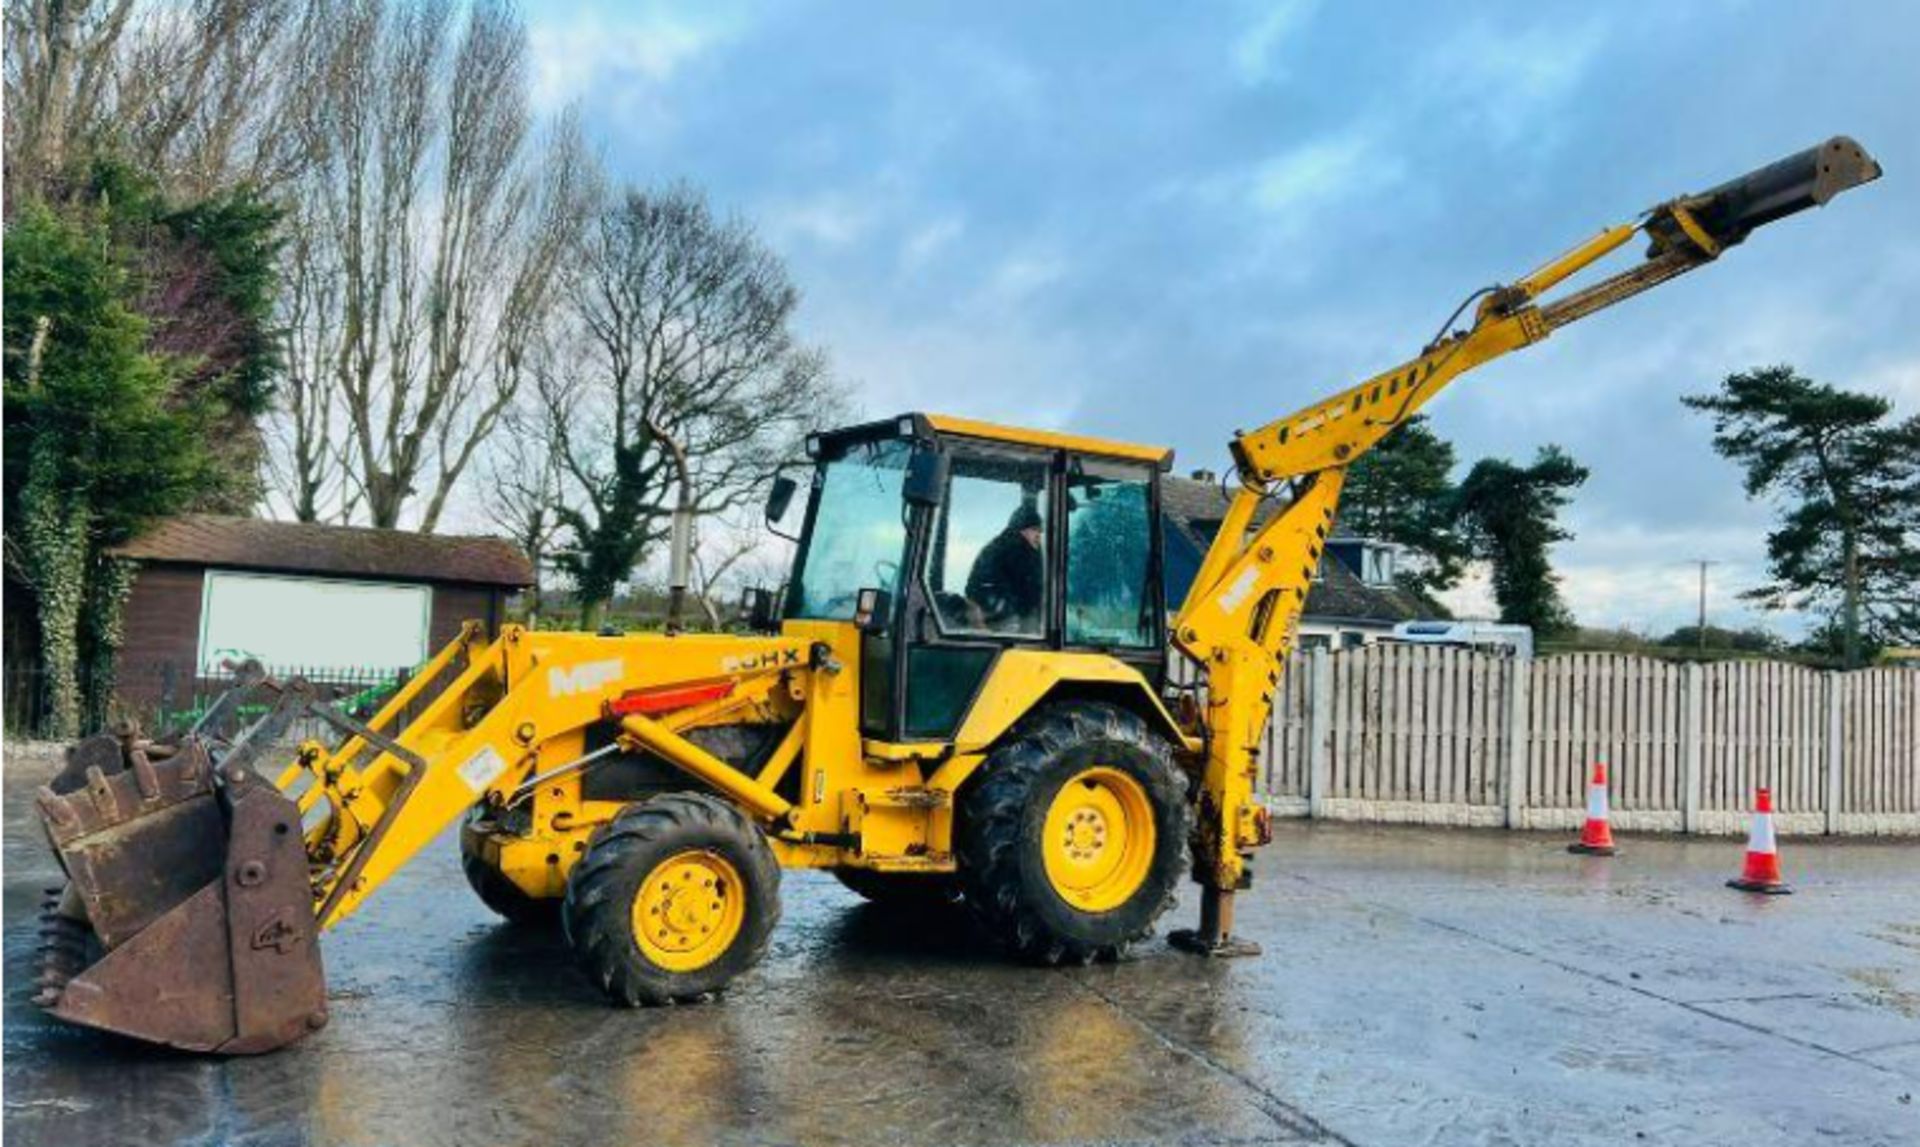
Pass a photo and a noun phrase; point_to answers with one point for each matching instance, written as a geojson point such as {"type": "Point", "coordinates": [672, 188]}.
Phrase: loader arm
{"type": "Point", "coordinates": [509, 717]}
{"type": "Point", "coordinates": [1239, 618]}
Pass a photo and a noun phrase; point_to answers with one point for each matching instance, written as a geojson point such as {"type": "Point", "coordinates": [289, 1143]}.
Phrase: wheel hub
{"type": "Point", "coordinates": [1086, 835]}
{"type": "Point", "coordinates": [688, 911]}
{"type": "Point", "coordinates": [1099, 839]}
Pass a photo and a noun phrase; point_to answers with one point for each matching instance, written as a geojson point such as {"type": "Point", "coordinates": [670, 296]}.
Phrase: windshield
{"type": "Point", "coordinates": [859, 531]}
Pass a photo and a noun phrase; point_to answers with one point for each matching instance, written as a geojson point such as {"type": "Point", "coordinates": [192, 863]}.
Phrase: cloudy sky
{"type": "Point", "coordinates": [1162, 225]}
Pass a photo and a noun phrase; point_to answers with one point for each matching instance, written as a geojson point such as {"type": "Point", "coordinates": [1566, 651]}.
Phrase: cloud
{"type": "Point", "coordinates": [1898, 380]}
{"type": "Point", "coordinates": [1288, 194]}
{"type": "Point", "coordinates": [828, 218]}
{"type": "Point", "coordinates": [926, 243]}
{"type": "Point", "coordinates": [1023, 274]}
{"type": "Point", "coordinates": [1256, 51]}
{"type": "Point", "coordinates": [1507, 82]}
{"type": "Point", "coordinates": [1643, 577]}
{"type": "Point", "coordinates": [1170, 222]}
{"type": "Point", "coordinates": [1645, 596]}
{"type": "Point", "coordinates": [1320, 172]}
{"type": "Point", "coordinates": [623, 59]}
{"type": "Point", "coordinates": [1011, 372]}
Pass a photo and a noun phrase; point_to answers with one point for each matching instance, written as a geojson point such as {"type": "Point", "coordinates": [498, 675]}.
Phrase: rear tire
{"type": "Point", "coordinates": [910, 892]}
{"type": "Point", "coordinates": [507, 899]}
{"type": "Point", "coordinates": [673, 898]}
{"type": "Point", "coordinates": [1072, 839]}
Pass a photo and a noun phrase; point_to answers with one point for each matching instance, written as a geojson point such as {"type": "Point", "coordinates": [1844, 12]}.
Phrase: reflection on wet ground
{"type": "Point", "coordinates": [1418, 985]}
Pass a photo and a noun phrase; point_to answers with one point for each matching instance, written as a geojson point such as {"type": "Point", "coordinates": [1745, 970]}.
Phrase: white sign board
{"type": "Point", "coordinates": [299, 623]}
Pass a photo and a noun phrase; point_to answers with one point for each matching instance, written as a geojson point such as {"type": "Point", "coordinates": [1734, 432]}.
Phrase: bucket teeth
{"type": "Point", "coordinates": [144, 775]}
{"type": "Point", "coordinates": [102, 794]}
{"type": "Point", "coordinates": [54, 808]}
{"type": "Point", "coordinates": [63, 949]}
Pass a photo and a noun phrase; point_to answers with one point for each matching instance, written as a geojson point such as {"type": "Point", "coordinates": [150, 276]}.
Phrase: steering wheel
{"type": "Point", "coordinates": [888, 572]}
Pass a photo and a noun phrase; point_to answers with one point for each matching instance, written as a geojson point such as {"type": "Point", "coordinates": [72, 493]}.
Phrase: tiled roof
{"type": "Point", "coordinates": [349, 551]}
{"type": "Point", "coordinates": [1197, 508]}
{"type": "Point", "coordinates": [1340, 594]}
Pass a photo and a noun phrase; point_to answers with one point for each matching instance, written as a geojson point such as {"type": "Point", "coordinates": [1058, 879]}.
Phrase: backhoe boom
{"type": "Point", "coordinates": [1240, 615]}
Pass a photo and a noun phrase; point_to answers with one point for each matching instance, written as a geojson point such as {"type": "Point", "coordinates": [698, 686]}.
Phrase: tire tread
{"type": "Point", "coordinates": [596, 912]}
{"type": "Point", "coordinates": [994, 820]}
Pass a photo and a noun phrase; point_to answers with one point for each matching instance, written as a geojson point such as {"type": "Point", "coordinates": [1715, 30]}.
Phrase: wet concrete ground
{"type": "Point", "coordinates": [1419, 986]}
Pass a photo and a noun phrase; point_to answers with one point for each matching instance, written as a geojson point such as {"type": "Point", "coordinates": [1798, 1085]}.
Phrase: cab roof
{"type": "Point", "coordinates": [1160, 456]}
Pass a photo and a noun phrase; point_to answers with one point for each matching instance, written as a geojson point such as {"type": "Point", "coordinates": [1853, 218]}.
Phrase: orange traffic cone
{"type": "Point", "coordinates": [1596, 836]}
{"type": "Point", "coordinates": [1762, 871]}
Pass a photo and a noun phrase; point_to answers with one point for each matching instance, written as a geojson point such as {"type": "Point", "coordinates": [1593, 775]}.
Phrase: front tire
{"type": "Point", "coordinates": [1073, 839]}
{"type": "Point", "coordinates": [674, 898]}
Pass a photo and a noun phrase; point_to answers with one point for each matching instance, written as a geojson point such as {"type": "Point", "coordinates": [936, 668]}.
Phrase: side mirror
{"type": "Point", "coordinates": [779, 497]}
{"type": "Point", "coordinates": [926, 481]}
{"type": "Point", "coordinates": [758, 609]}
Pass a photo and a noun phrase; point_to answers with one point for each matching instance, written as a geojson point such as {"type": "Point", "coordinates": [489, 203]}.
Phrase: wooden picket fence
{"type": "Point", "coordinates": [1438, 735]}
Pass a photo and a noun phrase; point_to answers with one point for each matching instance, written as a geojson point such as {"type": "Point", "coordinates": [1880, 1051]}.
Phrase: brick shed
{"type": "Point", "coordinates": [325, 600]}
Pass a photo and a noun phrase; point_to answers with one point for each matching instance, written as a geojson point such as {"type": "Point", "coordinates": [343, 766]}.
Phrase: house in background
{"type": "Point", "coordinates": [1353, 601]}
{"type": "Point", "coordinates": [332, 601]}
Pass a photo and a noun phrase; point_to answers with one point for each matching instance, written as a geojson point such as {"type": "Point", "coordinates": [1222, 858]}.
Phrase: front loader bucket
{"type": "Point", "coordinates": [187, 919]}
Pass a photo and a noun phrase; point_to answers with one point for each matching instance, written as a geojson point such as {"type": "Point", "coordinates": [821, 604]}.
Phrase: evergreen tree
{"type": "Point", "coordinates": [1511, 517]}
{"type": "Point", "coordinates": [139, 353]}
{"type": "Point", "coordinates": [97, 440]}
{"type": "Point", "coordinates": [1845, 478]}
{"type": "Point", "coordinates": [1402, 491]}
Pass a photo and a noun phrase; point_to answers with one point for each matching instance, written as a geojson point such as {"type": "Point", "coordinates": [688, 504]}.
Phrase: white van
{"type": "Point", "coordinates": [1466, 635]}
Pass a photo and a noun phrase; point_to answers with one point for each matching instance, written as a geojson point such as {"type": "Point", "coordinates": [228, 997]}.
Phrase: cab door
{"type": "Point", "coordinates": [987, 579]}
{"type": "Point", "coordinates": [1112, 599]}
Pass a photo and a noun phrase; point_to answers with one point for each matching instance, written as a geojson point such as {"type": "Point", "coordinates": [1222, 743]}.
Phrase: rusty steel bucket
{"type": "Point", "coordinates": [187, 918]}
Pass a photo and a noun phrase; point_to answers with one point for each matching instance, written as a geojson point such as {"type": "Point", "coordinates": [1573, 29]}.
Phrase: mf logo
{"type": "Point", "coordinates": [586, 677]}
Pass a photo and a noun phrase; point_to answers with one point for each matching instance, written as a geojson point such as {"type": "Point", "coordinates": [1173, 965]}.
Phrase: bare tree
{"type": "Point", "coordinates": [432, 225]}
{"type": "Point", "coordinates": [523, 485]}
{"type": "Point", "coordinates": [59, 68]}
{"type": "Point", "coordinates": [681, 324]}
{"type": "Point", "coordinates": [209, 91]}
{"type": "Point", "coordinates": [305, 463]}
{"type": "Point", "coordinates": [200, 93]}
{"type": "Point", "coordinates": [728, 556]}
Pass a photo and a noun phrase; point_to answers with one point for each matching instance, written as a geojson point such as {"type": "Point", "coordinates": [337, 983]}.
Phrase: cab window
{"type": "Point", "coordinates": [1110, 599]}
{"type": "Point", "coordinates": [858, 535]}
{"type": "Point", "coordinates": [987, 565]}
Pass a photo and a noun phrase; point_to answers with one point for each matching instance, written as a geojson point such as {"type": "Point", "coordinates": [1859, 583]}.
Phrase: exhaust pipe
{"type": "Point", "coordinates": [1733, 210]}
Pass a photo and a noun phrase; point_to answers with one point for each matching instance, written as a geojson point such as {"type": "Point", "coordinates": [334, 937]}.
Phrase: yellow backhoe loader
{"type": "Point", "coordinates": [960, 697]}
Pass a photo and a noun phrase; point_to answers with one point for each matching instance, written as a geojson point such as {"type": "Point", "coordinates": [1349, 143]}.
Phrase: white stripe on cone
{"type": "Point", "coordinates": [1596, 801]}
{"type": "Point", "coordinates": [1760, 839]}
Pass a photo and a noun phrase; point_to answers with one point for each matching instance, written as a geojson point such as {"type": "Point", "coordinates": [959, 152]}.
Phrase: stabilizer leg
{"type": "Point", "coordinates": [1214, 938]}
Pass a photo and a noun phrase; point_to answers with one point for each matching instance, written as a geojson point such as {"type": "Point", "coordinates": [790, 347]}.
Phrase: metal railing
{"type": "Point", "coordinates": [160, 696]}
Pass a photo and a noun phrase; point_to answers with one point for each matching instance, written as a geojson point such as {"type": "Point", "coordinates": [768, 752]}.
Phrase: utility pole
{"type": "Point", "coordinates": [1700, 628]}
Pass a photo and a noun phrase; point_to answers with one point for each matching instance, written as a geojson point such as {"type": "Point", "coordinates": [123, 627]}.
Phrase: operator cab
{"type": "Point", "coordinates": [948, 540]}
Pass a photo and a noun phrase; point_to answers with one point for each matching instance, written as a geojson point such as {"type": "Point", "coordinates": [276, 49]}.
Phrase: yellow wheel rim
{"type": "Point", "coordinates": [1099, 839]}
{"type": "Point", "coordinates": [689, 910]}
